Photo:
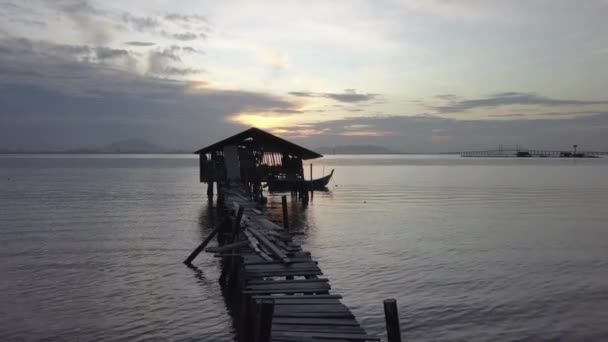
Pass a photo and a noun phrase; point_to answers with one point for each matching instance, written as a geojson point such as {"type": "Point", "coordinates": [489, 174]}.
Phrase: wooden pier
{"type": "Point", "coordinates": [274, 289]}
{"type": "Point", "coordinates": [277, 289]}
{"type": "Point", "coordinates": [526, 153]}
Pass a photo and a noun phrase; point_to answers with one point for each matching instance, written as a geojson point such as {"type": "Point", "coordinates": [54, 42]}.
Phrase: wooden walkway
{"type": "Point", "coordinates": [278, 287]}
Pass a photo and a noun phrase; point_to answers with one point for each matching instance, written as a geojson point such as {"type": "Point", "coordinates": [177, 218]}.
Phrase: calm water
{"type": "Point", "coordinates": [473, 249]}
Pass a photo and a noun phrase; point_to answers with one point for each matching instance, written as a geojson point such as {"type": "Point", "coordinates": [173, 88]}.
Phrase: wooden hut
{"type": "Point", "coordinates": [252, 157]}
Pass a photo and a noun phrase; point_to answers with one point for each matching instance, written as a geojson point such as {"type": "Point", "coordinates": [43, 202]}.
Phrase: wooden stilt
{"type": "Point", "coordinates": [264, 324]}
{"type": "Point", "coordinates": [312, 193]}
{"type": "Point", "coordinates": [393, 331]}
{"type": "Point", "coordinates": [210, 188]}
{"type": "Point", "coordinates": [285, 214]}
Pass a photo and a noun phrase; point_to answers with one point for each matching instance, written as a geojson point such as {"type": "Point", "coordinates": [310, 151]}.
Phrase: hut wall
{"type": "Point", "coordinates": [231, 160]}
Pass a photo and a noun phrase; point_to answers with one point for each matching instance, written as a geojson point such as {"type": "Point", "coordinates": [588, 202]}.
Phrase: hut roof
{"type": "Point", "coordinates": [269, 142]}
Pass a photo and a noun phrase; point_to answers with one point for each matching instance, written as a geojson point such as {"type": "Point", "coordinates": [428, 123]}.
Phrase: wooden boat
{"type": "Point", "coordinates": [294, 184]}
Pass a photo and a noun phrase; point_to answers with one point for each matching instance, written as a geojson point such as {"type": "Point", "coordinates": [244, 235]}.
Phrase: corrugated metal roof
{"type": "Point", "coordinates": [265, 140]}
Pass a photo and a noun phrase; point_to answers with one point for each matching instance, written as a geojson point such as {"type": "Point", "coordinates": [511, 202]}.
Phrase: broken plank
{"type": "Point", "coordinates": [228, 247]}
{"type": "Point", "coordinates": [273, 248]}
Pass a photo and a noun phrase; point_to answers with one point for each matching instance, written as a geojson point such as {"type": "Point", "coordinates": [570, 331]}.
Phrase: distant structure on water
{"type": "Point", "coordinates": [519, 152]}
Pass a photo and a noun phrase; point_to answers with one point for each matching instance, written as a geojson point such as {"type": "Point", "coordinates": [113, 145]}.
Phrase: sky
{"type": "Point", "coordinates": [410, 75]}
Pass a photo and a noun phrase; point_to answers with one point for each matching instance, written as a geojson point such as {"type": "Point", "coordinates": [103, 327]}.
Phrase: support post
{"type": "Point", "coordinates": [264, 323]}
{"type": "Point", "coordinates": [312, 193]}
{"type": "Point", "coordinates": [210, 188]}
{"type": "Point", "coordinates": [200, 248]}
{"type": "Point", "coordinates": [393, 331]}
{"type": "Point", "coordinates": [236, 228]}
{"type": "Point", "coordinates": [285, 214]}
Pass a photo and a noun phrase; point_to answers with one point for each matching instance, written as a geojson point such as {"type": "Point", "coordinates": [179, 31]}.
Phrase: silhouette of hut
{"type": "Point", "coordinates": [252, 157]}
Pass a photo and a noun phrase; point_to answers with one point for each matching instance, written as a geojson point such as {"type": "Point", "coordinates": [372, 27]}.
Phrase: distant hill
{"type": "Point", "coordinates": [124, 146]}
{"type": "Point", "coordinates": [355, 149]}
{"type": "Point", "coordinates": [132, 146]}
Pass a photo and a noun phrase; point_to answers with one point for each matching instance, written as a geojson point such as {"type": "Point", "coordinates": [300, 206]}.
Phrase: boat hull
{"type": "Point", "coordinates": [292, 185]}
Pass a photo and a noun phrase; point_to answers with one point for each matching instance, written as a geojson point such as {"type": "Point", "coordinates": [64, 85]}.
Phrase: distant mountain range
{"type": "Point", "coordinates": [140, 146]}
{"type": "Point", "coordinates": [123, 146]}
{"type": "Point", "coordinates": [355, 149]}
{"type": "Point", "coordinates": [128, 146]}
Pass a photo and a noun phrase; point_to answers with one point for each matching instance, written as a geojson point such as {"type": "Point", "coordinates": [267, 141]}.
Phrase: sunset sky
{"type": "Point", "coordinates": [411, 75]}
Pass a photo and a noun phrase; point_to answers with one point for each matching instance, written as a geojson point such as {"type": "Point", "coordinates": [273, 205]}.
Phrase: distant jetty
{"type": "Point", "coordinates": [521, 153]}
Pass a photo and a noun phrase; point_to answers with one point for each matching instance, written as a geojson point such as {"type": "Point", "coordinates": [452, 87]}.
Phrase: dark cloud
{"type": "Point", "coordinates": [426, 133]}
{"type": "Point", "coordinates": [456, 104]}
{"type": "Point", "coordinates": [349, 95]}
{"type": "Point", "coordinates": [136, 43]}
{"type": "Point", "coordinates": [109, 53]}
{"type": "Point", "coordinates": [53, 98]}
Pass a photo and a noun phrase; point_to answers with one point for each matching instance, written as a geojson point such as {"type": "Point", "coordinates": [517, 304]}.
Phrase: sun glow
{"type": "Point", "coordinates": [262, 121]}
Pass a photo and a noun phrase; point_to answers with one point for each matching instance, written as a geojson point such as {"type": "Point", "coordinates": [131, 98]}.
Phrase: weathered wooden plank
{"type": "Point", "coordinates": [316, 321]}
{"type": "Point", "coordinates": [282, 273]}
{"type": "Point", "coordinates": [315, 314]}
{"type": "Point", "coordinates": [276, 298]}
{"type": "Point", "coordinates": [302, 339]}
{"type": "Point", "coordinates": [253, 242]}
{"type": "Point", "coordinates": [260, 261]}
{"type": "Point", "coordinates": [311, 301]}
{"type": "Point", "coordinates": [303, 286]}
{"type": "Point", "coordinates": [273, 248]}
{"type": "Point", "coordinates": [324, 308]}
{"type": "Point", "coordinates": [267, 224]}
{"type": "Point", "coordinates": [296, 255]}
{"type": "Point", "coordinates": [291, 290]}
{"type": "Point", "coordinates": [326, 335]}
{"type": "Point", "coordinates": [280, 267]}
{"type": "Point", "coordinates": [320, 289]}
{"type": "Point", "coordinates": [318, 328]}
{"type": "Point", "coordinates": [290, 281]}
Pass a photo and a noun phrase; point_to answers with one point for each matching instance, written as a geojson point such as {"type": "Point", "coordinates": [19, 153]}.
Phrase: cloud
{"type": "Point", "coordinates": [100, 25]}
{"type": "Point", "coordinates": [349, 96]}
{"type": "Point", "coordinates": [170, 70]}
{"type": "Point", "coordinates": [189, 18]}
{"type": "Point", "coordinates": [190, 49]}
{"type": "Point", "coordinates": [140, 23]}
{"type": "Point", "coordinates": [109, 53]}
{"type": "Point", "coordinates": [92, 21]}
{"type": "Point", "coordinates": [423, 133]}
{"type": "Point", "coordinates": [137, 43]}
{"type": "Point", "coordinates": [162, 62]}
{"type": "Point", "coordinates": [456, 104]}
{"type": "Point", "coordinates": [81, 101]}
{"type": "Point", "coordinates": [186, 36]}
